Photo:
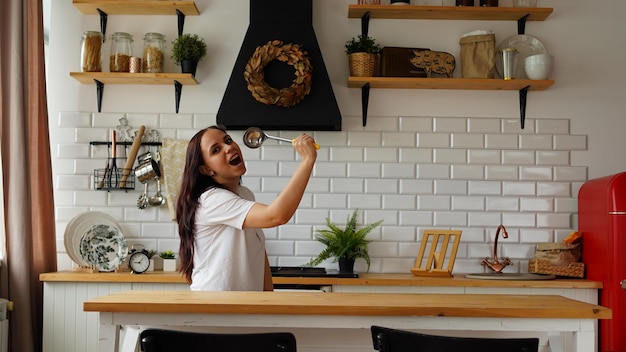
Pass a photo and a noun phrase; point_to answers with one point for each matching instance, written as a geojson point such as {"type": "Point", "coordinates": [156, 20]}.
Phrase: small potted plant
{"type": "Point", "coordinates": [187, 51]}
{"type": "Point", "coordinates": [169, 260]}
{"type": "Point", "coordinates": [344, 245]}
{"type": "Point", "coordinates": [151, 254]}
{"type": "Point", "coordinates": [362, 55]}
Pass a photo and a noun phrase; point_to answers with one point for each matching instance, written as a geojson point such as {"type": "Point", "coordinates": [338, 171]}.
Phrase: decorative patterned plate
{"type": "Point", "coordinates": [75, 229]}
{"type": "Point", "coordinates": [104, 247]}
{"type": "Point", "coordinates": [526, 46]}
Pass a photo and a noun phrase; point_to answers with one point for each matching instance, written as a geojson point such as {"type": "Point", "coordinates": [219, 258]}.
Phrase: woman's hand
{"type": "Point", "coordinates": [305, 146]}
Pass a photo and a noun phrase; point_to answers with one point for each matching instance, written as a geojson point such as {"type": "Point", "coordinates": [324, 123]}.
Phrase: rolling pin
{"type": "Point", "coordinates": [132, 155]}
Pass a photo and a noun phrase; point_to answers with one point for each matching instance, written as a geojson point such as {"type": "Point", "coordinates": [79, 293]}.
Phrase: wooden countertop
{"type": "Point", "coordinates": [370, 279]}
{"type": "Point", "coordinates": [347, 304]}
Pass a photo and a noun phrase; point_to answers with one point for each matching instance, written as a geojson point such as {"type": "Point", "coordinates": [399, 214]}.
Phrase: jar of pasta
{"type": "Point", "coordinates": [121, 51]}
{"type": "Point", "coordinates": [153, 49]}
{"type": "Point", "coordinates": [91, 51]}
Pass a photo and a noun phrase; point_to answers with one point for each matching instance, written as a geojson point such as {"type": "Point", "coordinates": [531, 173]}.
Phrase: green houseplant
{"type": "Point", "coordinates": [344, 245]}
{"type": "Point", "coordinates": [169, 260]}
{"type": "Point", "coordinates": [362, 54]}
{"type": "Point", "coordinates": [187, 50]}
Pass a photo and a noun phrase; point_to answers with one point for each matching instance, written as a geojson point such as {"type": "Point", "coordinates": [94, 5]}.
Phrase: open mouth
{"type": "Point", "coordinates": [236, 160]}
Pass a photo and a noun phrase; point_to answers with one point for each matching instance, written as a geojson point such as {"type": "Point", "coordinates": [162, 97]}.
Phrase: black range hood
{"type": "Point", "coordinates": [290, 21]}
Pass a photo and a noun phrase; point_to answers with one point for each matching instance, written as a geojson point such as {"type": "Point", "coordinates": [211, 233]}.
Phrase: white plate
{"type": "Point", "coordinates": [103, 246]}
{"type": "Point", "coordinates": [526, 46]}
{"type": "Point", "coordinates": [75, 229]}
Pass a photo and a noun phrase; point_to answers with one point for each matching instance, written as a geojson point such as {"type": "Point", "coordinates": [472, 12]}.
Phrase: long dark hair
{"type": "Point", "coordinates": [193, 184]}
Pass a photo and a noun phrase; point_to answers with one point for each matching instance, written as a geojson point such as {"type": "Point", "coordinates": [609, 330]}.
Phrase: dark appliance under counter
{"type": "Point", "coordinates": [302, 271]}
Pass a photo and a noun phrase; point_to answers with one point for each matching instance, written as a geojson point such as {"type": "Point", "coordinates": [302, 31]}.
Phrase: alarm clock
{"type": "Point", "coordinates": [138, 261]}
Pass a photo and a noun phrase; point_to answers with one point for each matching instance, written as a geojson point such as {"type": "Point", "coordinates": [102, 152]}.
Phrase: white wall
{"type": "Point", "coordinates": [573, 132]}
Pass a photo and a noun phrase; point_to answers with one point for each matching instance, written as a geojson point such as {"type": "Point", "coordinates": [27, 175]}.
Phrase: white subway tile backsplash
{"type": "Point", "coordinates": [535, 173]}
{"type": "Point", "coordinates": [570, 142]}
{"type": "Point", "coordinates": [571, 173]}
{"type": "Point", "coordinates": [468, 172]}
{"type": "Point", "coordinates": [518, 157]}
{"type": "Point", "coordinates": [330, 201]}
{"type": "Point", "coordinates": [552, 126]}
{"type": "Point", "coordinates": [399, 139]}
{"type": "Point", "coordinates": [558, 158]}
{"type": "Point", "coordinates": [364, 139]}
{"type": "Point", "coordinates": [375, 154]}
{"type": "Point", "coordinates": [501, 172]}
{"type": "Point", "coordinates": [417, 124]}
{"type": "Point", "coordinates": [462, 140]}
{"type": "Point", "coordinates": [449, 156]}
{"type": "Point", "coordinates": [433, 140]}
{"type": "Point", "coordinates": [360, 169]}
{"type": "Point", "coordinates": [484, 157]}
{"type": "Point", "coordinates": [412, 172]}
{"type": "Point", "coordinates": [468, 203]}
{"type": "Point", "coordinates": [501, 141]}
{"type": "Point", "coordinates": [415, 155]}
{"type": "Point", "coordinates": [454, 187]}
{"type": "Point", "coordinates": [396, 170]}
{"type": "Point", "coordinates": [536, 142]}
{"type": "Point", "coordinates": [450, 124]}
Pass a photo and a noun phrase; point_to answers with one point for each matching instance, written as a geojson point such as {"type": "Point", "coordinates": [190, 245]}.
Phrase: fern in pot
{"type": "Point", "coordinates": [344, 245]}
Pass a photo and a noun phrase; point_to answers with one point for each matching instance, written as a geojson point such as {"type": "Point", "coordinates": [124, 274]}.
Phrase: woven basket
{"type": "Point", "coordinates": [363, 64]}
{"type": "Point", "coordinates": [538, 266]}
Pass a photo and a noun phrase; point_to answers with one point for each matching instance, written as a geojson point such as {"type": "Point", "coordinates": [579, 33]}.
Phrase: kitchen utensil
{"type": "Point", "coordinates": [144, 157]}
{"type": "Point", "coordinates": [147, 171]}
{"type": "Point", "coordinates": [157, 200]}
{"type": "Point", "coordinates": [134, 149]}
{"type": "Point", "coordinates": [253, 137]}
{"type": "Point", "coordinates": [113, 170]}
{"type": "Point", "coordinates": [142, 201]}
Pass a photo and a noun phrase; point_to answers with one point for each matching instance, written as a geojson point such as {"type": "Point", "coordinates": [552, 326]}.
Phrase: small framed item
{"type": "Point", "coordinates": [396, 62]}
{"type": "Point", "coordinates": [138, 261]}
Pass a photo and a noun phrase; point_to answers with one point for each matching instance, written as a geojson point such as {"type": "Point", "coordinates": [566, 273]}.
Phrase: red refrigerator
{"type": "Point", "coordinates": [602, 223]}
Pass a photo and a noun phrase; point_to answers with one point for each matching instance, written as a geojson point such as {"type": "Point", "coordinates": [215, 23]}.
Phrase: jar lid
{"type": "Point", "coordinates": [121, 35]}
{"type": "Point", "coordinates": [153, 35]}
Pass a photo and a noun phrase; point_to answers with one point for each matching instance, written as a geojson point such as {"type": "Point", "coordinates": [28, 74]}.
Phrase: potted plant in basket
{"type": "Point", "coordinates": [187, 51]}
{"type": "Point", "coordinates": [344, 245]}
{"type": "Point", "coordinates": [362, 55]}
{"type": "Point", "coordinates": [169, 260]}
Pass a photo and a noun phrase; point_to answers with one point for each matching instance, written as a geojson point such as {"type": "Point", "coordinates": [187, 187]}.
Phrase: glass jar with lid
{"type": "Point", "coordinates": [121, 51]}
{"type": "Point", "coordinates": [153, 49]}
{"type": "Point", "coordinates": [91, 51]}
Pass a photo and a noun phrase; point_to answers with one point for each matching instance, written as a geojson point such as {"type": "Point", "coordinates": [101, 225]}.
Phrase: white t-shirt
{"type": "Point", "coordinates": [227, 257]}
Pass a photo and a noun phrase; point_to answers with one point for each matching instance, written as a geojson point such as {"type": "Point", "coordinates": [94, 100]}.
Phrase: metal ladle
{"type": "Point", "coordinates": [253, 137]}
{"type": "Point", "coordinates": [157, 200]}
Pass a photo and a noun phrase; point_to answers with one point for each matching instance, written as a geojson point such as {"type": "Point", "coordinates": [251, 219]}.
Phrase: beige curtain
{"type": "Point", "coordinates": [26, 168]}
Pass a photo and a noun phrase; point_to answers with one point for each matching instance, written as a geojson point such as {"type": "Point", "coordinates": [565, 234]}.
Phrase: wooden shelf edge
{"type": "Point", "coordinates": [136, 7]}
{"type": "Point", "coordinates": [449, 12]}
{"type": "Point", "coordinates": [134, 78]}
{"type": "Point", "coordinates": [449, 83]}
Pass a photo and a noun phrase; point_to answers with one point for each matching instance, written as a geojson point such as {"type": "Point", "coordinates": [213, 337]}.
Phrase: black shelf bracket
{"type": "Point", "coordinates": [365, 97]}
{"type": "Point", "coordinates": [523, 94]}
{"type": "Point", "coordinates": [181, 21]}
{"type": "Point", "coordinates": [521, 24]}
{"type": "Point", "coordinates": [365, 23]}
{"type": "Point", "coordinates": [103, 23]}
{"type": "Point", "coordinates": [99, 93]}
{"type": "Point", "coordinates": [178, 91]}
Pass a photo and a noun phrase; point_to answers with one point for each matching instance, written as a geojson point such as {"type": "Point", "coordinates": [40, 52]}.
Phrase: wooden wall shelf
{"type": "Point", "coordinates": [134, 78]}
{"type": "Point", "coordinates": [449, 12]}
{"type": "Point", "coordinates": [136, 7]}
{"type": "Point", "coordinates": [449, 83]}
